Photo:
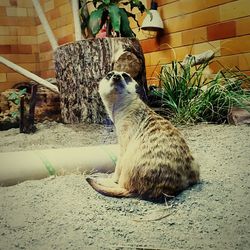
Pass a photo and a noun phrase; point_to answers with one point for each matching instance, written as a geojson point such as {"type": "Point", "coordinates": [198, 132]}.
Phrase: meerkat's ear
{"type": "Point", "coordinates": [109, 75]}
{"type": "Point", "coordinates": [127, 77]}
{"type": "Point", "coordinates": [137, 88]}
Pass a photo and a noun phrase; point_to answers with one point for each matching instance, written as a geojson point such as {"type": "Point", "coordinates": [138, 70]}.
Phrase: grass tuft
{"type": "Point", "coordinates": [187, 96]}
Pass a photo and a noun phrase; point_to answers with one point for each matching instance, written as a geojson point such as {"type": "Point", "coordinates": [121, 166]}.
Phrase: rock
{"type": "Point", "coordinates": [238, 116]}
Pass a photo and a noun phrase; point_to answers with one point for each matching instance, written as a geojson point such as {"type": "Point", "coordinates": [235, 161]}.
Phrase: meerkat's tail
{"type": "Point", "coordinates": [109, 191]}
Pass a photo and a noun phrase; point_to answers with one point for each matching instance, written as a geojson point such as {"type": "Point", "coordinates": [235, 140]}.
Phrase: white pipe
{"type": "Point", "coordinates": [45, 24]}
{"type": "Point", "coordinates": [75, 9]}
{"type": "Point", "coordinates": [28, 74]}
{"type": "Point", "coordinates": [16, 167]}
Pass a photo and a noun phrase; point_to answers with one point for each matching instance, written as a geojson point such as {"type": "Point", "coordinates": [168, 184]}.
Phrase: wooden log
{"type": "Point", "coordinates": [82, 64]}
{"type": "Point", "coordinates": [199, 58]}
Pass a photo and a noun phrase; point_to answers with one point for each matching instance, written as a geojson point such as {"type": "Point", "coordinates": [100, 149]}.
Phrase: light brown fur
{"type": "Point", "coordinates": [155, 159]}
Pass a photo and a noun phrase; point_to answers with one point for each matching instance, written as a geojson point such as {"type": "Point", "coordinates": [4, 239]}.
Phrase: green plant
{"type": "Point", "coordinates": [115, 16]}
{"type": "Point", "coordinates": [189, 97]}
{"type": "Point", "coordinates": [15, 97]}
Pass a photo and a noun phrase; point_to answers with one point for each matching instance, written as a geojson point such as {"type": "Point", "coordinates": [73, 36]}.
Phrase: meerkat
{"type": "Point", "coordinates": [154, 161]}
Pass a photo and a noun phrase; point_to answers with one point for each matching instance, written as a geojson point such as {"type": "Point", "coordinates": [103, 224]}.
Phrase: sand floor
{"type": "Point", "coordinates": [66, 213]}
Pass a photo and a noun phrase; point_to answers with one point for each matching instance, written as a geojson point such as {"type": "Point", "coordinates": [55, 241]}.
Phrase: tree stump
{"type": "Point", "coordinates": [82, 64]}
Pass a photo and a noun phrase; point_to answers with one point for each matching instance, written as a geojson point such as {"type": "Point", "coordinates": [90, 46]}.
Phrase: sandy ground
{"type": "Point", "coordinates": [65, 213]}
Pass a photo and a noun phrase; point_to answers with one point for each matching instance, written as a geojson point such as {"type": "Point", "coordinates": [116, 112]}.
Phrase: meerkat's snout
{"type": "Point", "coordinates": [116, 78]}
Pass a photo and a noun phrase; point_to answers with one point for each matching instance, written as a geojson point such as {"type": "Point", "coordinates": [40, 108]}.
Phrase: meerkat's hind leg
{"type": "Point", "coordinates": [117, 173]}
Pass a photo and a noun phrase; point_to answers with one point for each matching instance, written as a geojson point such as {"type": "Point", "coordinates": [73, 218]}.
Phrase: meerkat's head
{"type": "Point", "coordinates": [117, 84]}
{"type": "Point", "coordinates": [117, 89]}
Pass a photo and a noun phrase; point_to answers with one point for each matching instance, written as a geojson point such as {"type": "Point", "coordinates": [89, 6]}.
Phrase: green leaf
{"type": "Point", "coordinates": [22, 92]}
{"type": "Point", "coordinates": [14, 114]}
{"type": "Point", "coordinates": [107, 2]}
{"type": "Point", "coordinates": [126, 31]}
{"type": "Point", "coordinates": [115, 17]}
{"type": "Point", "coordinates": [136, 4]}
{"type": "Point", "coordinates": [95, 20]}
{"type": "Point", "coordinates": [13, 96]}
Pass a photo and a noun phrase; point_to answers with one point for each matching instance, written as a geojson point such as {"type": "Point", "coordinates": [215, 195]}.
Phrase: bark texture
{"type": "Point", "coordinates": [82, 64]}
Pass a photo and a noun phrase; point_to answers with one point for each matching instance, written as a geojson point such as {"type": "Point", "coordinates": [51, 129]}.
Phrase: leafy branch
{"type": "Point", "coordinates": [115, 16]}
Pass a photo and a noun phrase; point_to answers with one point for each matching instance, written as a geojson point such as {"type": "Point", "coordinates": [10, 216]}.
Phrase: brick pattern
{"type": "Point", "coordinates": [193, 26]}
{"type": "Point", "coordinates": [23, 39]}
{"type": "Point", "coordinates": [60, 18]}
{"type": "Point", "coordinates": [18, 40]}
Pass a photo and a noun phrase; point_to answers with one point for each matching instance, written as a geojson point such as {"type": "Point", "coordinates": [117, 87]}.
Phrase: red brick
{"type": "Point", "coordinates": [2, 11]}
{"type": "Point", "coordinates": [23, 49]}
{"type": "Point", "coordinates": [149, 45]}
{"type": "Point", "coordinates": [17, 21]}
{"type": "Point", "coordinates": [59, 3]}
{"type": "Point", "coordinates": [5, 69]}
{"type": "Point", "coordinates": [45, 47]}
{"type": "Point", "coordinates": [65, 39]}
{"type": "Point", "coordinates": [247, 73]}
{"type": "Point", "coordinates": [15, 77]}
{"type": "Point", "coordinates": [161, 2]}
{"type": "Point", "coordinates": [156, 44]}
{"type": "Point", "coordinates": [6, 85]}
{"type": "Point", "coordinates": [152, 72]}
{"type": "Point", "coordinates": [48, 74]}
{"type": "Point", "coordinates": [236, 45]}
{"type": "Point", "coordinates": [52, 14]}
{"type": "Point", "coordinates": [221, 31]}
{"type": "Point", "coordinates": [5, 49]}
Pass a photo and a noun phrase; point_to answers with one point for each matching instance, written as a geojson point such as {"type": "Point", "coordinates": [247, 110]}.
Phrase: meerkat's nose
{"type": "Point", "coordinates": [116, 77]}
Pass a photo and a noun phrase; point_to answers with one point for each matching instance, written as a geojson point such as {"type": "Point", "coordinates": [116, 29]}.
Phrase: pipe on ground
{"type": "Point", "coordinates": [16, 167]}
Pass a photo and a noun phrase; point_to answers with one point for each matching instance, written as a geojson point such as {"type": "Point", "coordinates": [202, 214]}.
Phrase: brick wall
{"type": "Point", "coordinates": [23, 40]}
{"type": "Point", "coordinates": [18, 39]}
{"type": "Point", "coordinates": [191, 26]}
{"type": "Point", "coordinates": [194, 26]}
{"type": "Point", "coordinates": [60, 18]}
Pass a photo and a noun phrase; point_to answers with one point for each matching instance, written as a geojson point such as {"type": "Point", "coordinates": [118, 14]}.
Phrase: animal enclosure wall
{"type": "Point", "coordinates": [18, 40]}
{"type": "Point", "coordinates": [194, 26]}
{"type": "Point", "coordinates": [23, 39]}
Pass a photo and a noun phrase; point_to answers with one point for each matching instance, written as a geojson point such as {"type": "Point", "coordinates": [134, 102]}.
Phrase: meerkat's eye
{"type": "Point", "coordinates": [109, 75]}
{"type": "Point", "coordinates": [126, 77]}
